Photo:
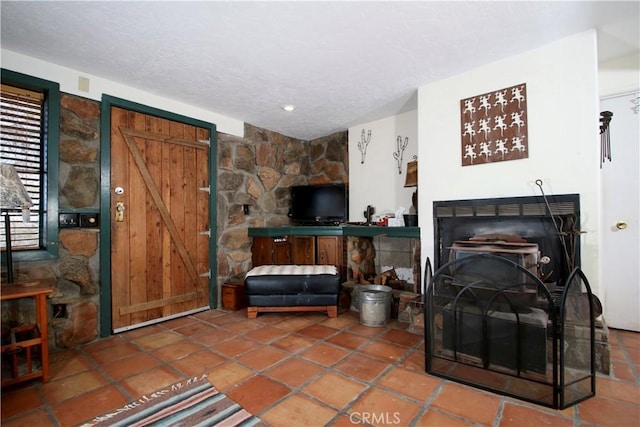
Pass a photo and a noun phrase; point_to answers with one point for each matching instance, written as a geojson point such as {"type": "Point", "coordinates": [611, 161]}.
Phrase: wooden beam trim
{"type": "Point", "coordinates": [157, 303]}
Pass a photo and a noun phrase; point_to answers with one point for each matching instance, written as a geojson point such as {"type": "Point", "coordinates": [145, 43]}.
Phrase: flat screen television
{"type": "Point", "coordinates": [324, 204]}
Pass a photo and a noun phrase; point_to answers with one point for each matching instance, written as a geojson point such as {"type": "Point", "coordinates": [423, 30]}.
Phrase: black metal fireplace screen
{"type": "Point", "coordinates": [493, 324]}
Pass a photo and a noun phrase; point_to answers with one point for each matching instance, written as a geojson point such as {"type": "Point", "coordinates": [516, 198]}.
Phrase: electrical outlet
{"type": "Point", "coordinates": [68, 220]}
{"type": "Point", "coordinates": [59, 311]}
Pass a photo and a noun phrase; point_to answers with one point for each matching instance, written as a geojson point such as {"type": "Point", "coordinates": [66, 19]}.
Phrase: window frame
{"type": "Point", "coordinates": [51, 153]}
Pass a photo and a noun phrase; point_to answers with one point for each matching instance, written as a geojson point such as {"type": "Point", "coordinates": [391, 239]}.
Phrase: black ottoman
{"type": "Point", "coordinates": [277, 288]}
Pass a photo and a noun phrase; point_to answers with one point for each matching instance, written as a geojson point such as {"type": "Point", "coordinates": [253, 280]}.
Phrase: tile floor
{"type": "Point", "coordinates": [301, 369]}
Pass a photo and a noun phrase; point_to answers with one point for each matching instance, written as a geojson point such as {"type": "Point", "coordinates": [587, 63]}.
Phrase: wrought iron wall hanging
{"type": "Point", "coordinates": [494, 126]}
{"type": "Point", "coordinates": [363, 143]}
{"type": "Point", "coordinates": [399, 153]}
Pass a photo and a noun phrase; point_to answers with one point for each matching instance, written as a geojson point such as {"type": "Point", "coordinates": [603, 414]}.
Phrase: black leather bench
{"type": "Point", "coordinates": [278, 288]}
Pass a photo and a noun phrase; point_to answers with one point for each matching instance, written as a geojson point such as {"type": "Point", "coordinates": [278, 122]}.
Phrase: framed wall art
{"type": "Point", "coordinates": [493, 126]}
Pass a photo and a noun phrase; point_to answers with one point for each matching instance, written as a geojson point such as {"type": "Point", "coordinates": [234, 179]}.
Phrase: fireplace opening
{"type": "Point", "coordinates": [508, 308]}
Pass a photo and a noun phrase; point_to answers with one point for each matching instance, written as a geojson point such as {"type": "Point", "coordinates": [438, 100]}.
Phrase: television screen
{"type": "Point", "coordinates": [319, 204]}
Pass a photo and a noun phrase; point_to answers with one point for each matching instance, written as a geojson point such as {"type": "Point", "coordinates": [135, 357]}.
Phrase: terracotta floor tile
{"type": "Point", "coordinates": [298, 410]}
{"type": "Point", "coordinates": [228, 374]}
{"type": "Point", "coordinates": [629, 339]}
{"type": "Point", "coordinates": [177, 350]}
{"type": "Point", "coordinates": [294, 372]}
{"type": "Point", "coordinates": [341, 322]}
{"type": "Point", "coordinates": [417, 385]}
{"type": "Point", "coordinates": [39, 418]}
{"type": "Point", "coordinates": [606, 412]}
{"type": "Point", "coordinates": [514, 415]}
{"type": "Point", "coordinates": [367, 331]}
{"type": "Point", "coordinates": [415, 361]}
{"type": "Point", "coordinates": [221, 318]}
{"type": "Point", "coordinates": [324, 354]}
{"type": "Point", "coordinates": [158, 340]}
{"type": "Point", "coordinates": [435, 418]}
{"type": "Point", "coordinates": [294, 343]}
{"type": "Point", "coordinates": [258, 393]}
{"type": "Point", "coordinates": [179, 322]}
{"type": "Point", "coordinates": [384, 351]}
{"type": "Point", "coordinates": [468, 403]}
{"type": "Point", "coordinates": [301, 375]}
{"type": "Point", "coordinates": [362, 367]}
{"type": "Point", "coordinates": [194, 328]}
{"type": "Point", "coordinates": [85, 407]}
{"type": "Point", "coordinates": [335, 390]}
{"type": "Point", "coordinates": [348, 340]}
{"type": "Point", "coordinates": [214, 336]}
{"type": "Point", "coordinates": [104, 343]}
{"type": "Point", "coordinates": [235, 346]}
{"type": "Point", "coordinates": [318, 332]}
{"type": "Point", "coordinates": [150, 381]}
{"type": "Point", "coordinates": [118, 350]}
{"type": "Point", "coordinates": [263, 357]}
{"type": "Point", "coordinates": [619, 390]}
{"type": "Point", "coordinates": [143, 332]}
{"type": "Point", "coordinates": [57, 391]}
{"type": "Point", "coordinates": [243, 326]}
{"type": "Point", "coordinates": [294, 323]}
{"type": "Point", "coordinates": [17, 400]}
{"type": "Point", "coordinates": [266, 334]}
{"type": "Point", "coordinates": [378, 407]}
{"type": "Point", "coordinates": [127, 367]}
{"type": "Point", "coordinates": [343, 421]}
{"type": "Point", "coordinates": [69, 362]}
{"type": "Point", "coordinates": [401, 337]}
{"type": "Point", "coordinates": [622, 371]}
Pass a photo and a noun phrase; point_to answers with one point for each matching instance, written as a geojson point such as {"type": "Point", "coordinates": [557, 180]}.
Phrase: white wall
{"type": "Point", "coordinates": [620, 75]}
{"type": "Point", "coordinates": [563, 134]}
{"type": "Point", "coordinates": [69, 83]}
{"type": "Point", "coordinates": [376, 182]}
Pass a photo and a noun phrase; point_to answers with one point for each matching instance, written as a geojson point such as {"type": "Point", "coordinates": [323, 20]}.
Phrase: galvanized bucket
{"type": "Point", "coordinates": [375, 305]}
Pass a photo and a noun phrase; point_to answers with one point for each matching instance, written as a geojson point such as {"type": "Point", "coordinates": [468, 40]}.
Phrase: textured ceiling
{"type": "Point", "coordinates": [341, 63]}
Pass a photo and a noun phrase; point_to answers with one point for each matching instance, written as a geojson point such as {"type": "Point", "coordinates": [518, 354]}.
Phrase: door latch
{"type": "Point", "coordinates": [120, 211]}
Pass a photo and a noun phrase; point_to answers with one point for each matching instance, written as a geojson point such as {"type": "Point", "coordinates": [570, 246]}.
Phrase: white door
{"type": "Point", "coordinates": [621, 203]}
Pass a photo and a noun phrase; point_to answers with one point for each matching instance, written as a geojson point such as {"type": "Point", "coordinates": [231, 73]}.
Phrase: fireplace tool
{"type": "Point", "coordinates": [569, 259]}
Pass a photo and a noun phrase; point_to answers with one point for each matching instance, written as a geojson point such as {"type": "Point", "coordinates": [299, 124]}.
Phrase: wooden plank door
{"type": "Point", "coordinates": [159, 213]}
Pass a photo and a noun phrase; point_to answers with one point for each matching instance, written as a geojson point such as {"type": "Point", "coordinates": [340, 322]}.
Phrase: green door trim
{"type": "Point", "coordinates": [105, 199]}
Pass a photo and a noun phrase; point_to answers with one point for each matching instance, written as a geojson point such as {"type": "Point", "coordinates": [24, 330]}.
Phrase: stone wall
{"type": "Point", "coordinates": [256, 170]}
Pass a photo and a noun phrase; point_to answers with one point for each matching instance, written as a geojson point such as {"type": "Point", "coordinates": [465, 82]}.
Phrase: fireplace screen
{"type": "Point", "coordinates": [493, 324]}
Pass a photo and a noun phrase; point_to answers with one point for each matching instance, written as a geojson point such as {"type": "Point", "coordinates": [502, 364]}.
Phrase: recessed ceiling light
{"type": "Point", "coordinates": [288, 107]}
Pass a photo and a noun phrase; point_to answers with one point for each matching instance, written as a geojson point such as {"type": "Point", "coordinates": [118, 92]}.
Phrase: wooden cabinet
{"type": "Point", "coordinates": [270, 251]}
{"type": "Point", "coordinates": [233, 297]}
{"type": "Point", "coordinates": [329, 250]}
{"type": "Point", "coordinates": [299, 250]}
{"type": "Point", "coordinates": [303, 250]}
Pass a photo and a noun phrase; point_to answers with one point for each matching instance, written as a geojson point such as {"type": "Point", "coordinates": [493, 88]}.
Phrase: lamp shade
{"type": "Point", "coordinates": [13, 195]}
{"type": "Point", "coordinates": [411, 179]}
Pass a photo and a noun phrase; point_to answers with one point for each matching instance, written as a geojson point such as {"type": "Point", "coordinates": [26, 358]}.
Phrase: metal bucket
{"type": "Point", "coordinates": [375, 305]}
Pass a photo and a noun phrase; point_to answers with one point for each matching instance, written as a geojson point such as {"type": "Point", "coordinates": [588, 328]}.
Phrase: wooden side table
{"type": "Point", "coordinates": [26, 337]}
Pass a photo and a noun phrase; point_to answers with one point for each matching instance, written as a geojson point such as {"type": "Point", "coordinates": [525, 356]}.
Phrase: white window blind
{"type": "Point", "coordinates": [21, 135]}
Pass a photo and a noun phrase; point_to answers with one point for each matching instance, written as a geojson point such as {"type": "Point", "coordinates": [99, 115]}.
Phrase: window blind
{"type": "Point", "coordinates": [21, 144]}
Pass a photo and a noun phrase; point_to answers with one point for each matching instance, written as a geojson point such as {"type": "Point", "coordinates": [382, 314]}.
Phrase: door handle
{"type": "Point", "coordinates": [120, 211]}
{"type": "Point", "coordinates": [621, 225]}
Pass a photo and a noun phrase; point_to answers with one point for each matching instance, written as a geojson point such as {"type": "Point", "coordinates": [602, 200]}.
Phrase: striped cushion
{"type": "Point", "coordinates": [305, 270]}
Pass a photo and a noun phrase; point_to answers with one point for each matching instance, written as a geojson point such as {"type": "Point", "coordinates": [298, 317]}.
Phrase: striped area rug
{"type": "Point", "coordinates": [193, 402]}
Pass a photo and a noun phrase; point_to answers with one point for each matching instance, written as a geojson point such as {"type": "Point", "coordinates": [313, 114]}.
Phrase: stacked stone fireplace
{"type": "Point", "coordinates": [508, 308]}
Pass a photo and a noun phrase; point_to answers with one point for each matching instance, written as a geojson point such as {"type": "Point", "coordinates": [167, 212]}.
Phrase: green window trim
{"type": "Point", "coordinates": [52, 154]}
